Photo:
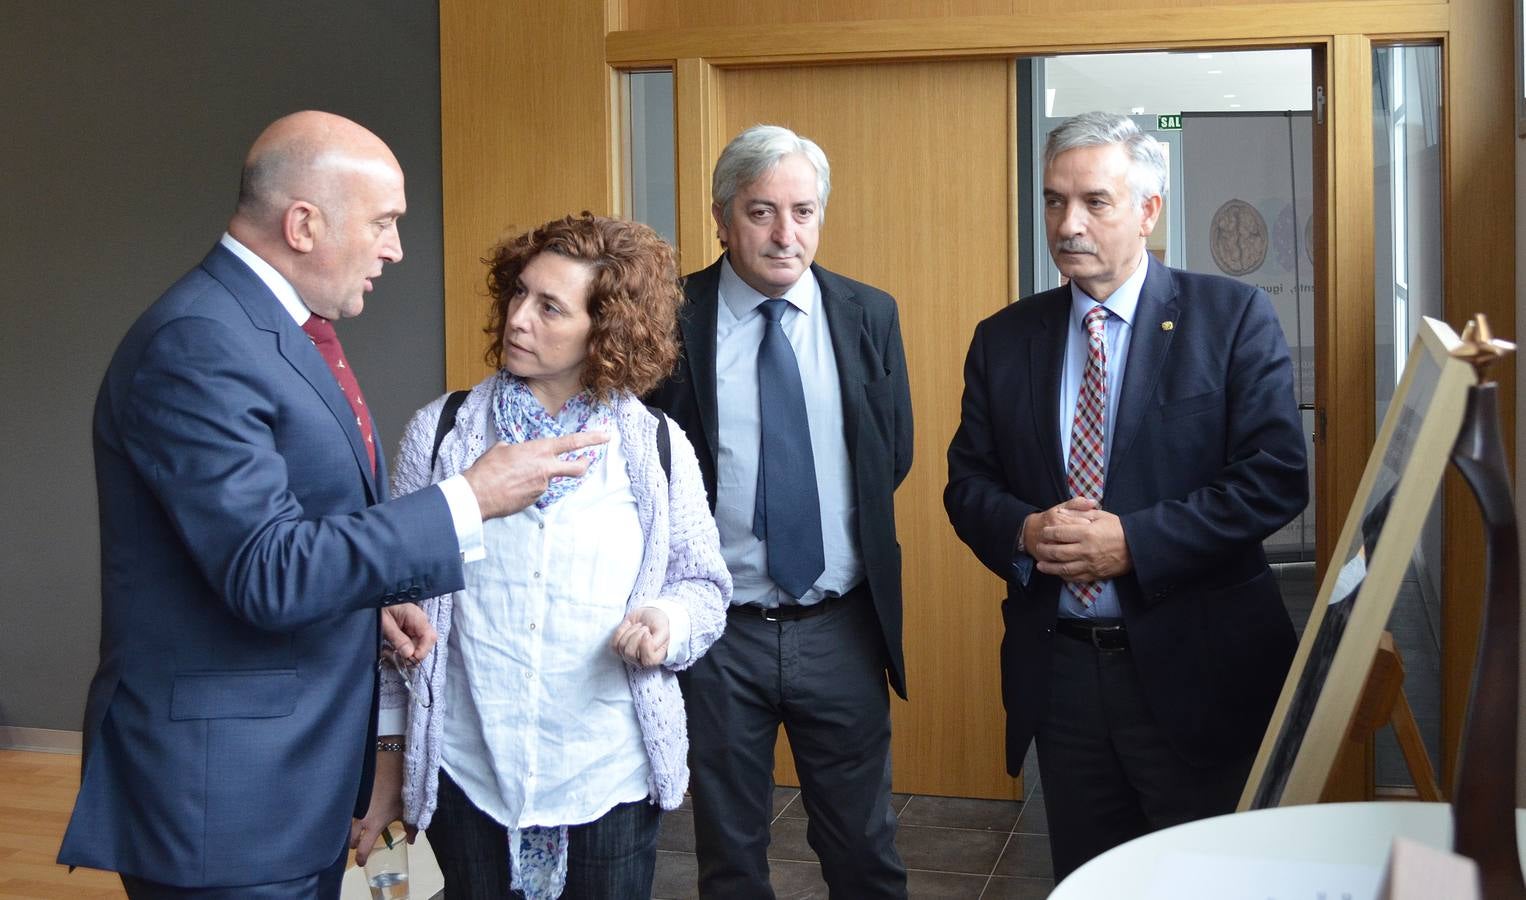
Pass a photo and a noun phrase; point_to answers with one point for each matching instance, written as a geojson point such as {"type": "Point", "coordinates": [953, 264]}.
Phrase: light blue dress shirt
{"type": "Point", "coordinates": [738, 332]}
{"type": "Point", "coordinates": [1121, 306]}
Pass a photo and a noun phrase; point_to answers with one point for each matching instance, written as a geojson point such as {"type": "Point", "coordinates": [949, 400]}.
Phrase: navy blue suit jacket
{"type": "Point", "coordinates": [244, 554]}
{"type": "Point", "coordinates": [876, 399]}
{"type": "Point", "coordinates": [1207, 461]}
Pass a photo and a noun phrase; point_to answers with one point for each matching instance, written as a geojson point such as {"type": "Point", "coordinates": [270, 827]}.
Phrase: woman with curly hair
{"type": "Point", "coordinates": [545, 733]}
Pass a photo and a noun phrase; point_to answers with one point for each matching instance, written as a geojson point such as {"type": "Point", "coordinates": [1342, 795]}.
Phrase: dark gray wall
{"type": "Point", "coordinates": [123, 124]}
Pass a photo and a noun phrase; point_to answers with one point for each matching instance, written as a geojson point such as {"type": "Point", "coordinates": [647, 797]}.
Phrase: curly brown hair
{"type": "Point", "coordinates": [633, 297]}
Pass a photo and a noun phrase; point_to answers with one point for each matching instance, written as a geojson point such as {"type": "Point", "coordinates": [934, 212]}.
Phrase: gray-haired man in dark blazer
{"type": "Point", "coordinates": [793, 389]}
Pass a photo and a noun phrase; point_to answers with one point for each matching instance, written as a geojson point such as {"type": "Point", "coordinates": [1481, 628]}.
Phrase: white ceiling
{"type": "Point", "coordinates": [1164, 83]}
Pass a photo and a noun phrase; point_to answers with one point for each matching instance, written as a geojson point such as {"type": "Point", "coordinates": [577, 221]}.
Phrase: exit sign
{"type": "Point", "coordinates": [1168, 123]}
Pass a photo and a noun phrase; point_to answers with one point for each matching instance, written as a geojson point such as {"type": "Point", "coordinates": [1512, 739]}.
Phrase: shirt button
{"type": "Point", "coordinates": [532, 626]}
{"type": "Point", "coordinates": [529, 674]}
{"type": "Point", "coordinates": [537, 574]}
{"type": "Point", "coordinates": [541, 526]}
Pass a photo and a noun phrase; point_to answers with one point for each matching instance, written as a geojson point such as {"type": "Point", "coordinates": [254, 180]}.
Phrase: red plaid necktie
{"type": "Point", "coordinates": [1084, 470]}
{"type": "Point", "coordinates": [321, 331]}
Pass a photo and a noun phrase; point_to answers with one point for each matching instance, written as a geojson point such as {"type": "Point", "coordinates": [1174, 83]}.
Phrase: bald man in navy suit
{"type": "Point", "coordinates": [230, 730]}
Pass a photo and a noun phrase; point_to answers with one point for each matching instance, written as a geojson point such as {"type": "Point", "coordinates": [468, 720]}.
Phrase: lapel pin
{"type": "Point", "coordinates": [1167, 325]}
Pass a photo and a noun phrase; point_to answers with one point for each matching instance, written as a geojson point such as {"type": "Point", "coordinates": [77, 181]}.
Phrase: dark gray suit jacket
{"type": "Point", "coordinates": [1207, 460]}
{"type": "Point", "coordinates": [876, 397]}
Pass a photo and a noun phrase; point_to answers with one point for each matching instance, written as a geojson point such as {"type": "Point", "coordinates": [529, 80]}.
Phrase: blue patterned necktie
{"type": "Point", "coordinates": [787, 511]}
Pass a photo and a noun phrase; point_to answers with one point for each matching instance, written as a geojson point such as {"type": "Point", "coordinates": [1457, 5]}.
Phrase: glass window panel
{"type": "Point", "coordinates": [1406, 118]}
{"type": "Point", "coordinates": [651, 196]}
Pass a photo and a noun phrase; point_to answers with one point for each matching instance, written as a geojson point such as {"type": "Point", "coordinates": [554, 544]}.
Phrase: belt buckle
{"type": "Point", "coordinates": [1104, 630]}
{"type": "Point", "coordinates": [770, 613]}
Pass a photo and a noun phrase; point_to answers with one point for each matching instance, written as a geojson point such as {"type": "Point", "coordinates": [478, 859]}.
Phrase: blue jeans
{"type": "Point", "coordinates": [613, 857]}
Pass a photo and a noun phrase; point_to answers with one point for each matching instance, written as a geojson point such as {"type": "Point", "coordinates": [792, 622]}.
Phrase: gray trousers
{"type": "Point", "coordinates": [823, 679]}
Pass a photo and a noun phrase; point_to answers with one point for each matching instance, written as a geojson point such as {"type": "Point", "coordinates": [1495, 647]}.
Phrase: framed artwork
{"type": "Point", "coordinates": [1357, 594]}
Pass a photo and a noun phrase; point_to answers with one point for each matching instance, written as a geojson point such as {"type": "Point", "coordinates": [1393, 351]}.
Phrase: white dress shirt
{"type": "Point", "coordinates": [542, 729]}
{"type": "Point", "coordinates": [465, 514]}
{"type": "Point", "coordinates": [738, 334]}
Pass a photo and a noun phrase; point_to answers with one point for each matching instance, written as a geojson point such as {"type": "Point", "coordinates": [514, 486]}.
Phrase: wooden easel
{"type": "Point", "coordinates": [1383, 703]}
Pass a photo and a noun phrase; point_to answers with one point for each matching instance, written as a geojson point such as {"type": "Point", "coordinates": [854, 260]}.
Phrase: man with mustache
{"type": "Point", "coordinates": [793, 388]}
{"type": "Point", "coordinates": [1126, 442]}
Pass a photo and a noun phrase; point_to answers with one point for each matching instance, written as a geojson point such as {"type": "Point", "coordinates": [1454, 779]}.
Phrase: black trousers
{"type": "Point", "coordinates": [823, 678]}
{"type": "Point", "coordinates": [614, 857]}
{"type": "Point", "coordinates": [1109, 773]}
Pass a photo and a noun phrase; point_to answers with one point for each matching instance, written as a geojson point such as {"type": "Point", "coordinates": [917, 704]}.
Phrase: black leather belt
{"type": "Point", "coordinates": [1104, 634]}
{"type": "Point", "coordinates": [793, 611]}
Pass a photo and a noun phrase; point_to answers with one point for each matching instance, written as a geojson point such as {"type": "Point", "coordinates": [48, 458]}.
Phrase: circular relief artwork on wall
{"type": "Point", "coordinates": [1238, 238]}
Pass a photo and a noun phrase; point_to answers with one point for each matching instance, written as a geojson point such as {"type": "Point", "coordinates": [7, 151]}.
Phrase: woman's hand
{"type": "Point", "coordinates": [386, 806]}
{"type": "Point", "coordinates": [642, 638]}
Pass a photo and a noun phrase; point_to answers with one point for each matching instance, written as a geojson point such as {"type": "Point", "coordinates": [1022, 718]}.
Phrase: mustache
{"type": "Point", "coordinates": [1075, 245]}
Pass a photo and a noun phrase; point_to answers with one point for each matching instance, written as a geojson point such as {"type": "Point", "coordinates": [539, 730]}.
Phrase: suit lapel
{"type": "Point", "coordinates": [1046, 361]}
{"type": "Point", "coordinates": [267, 314]}
{"type": "Point", "coordinates": [698, 327]}
{"type": "Point", "coordinates": [1149, 344]}
{"type": "Point", "coordinates": [845, 323]}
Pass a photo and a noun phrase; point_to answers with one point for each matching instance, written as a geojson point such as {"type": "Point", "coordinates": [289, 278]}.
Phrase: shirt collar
{"type": "Point", "coordinates": [1121, 303]}
{"type": "Point", "coordinates": [741, 298]}
{"type": "Point", "coordinates": [274, 280]}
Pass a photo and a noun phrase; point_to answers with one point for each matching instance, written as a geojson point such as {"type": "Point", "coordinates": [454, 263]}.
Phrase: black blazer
{"type": "Point", "coordinates": [876, 397]}
{"type": "Point", "coordinates": [1207, 461]}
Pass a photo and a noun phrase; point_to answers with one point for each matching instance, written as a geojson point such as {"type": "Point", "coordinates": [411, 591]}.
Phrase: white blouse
{"type": "Point", "coordinates": [541, 728]}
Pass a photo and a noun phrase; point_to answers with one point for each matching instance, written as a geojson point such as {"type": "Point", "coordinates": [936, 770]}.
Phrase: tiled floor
{"type": "Point", "coordinates": [952, 847]}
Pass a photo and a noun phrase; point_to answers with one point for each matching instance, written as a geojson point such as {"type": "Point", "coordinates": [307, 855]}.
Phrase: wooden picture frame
{"type": "Point", "coordinates": [1357, 593]}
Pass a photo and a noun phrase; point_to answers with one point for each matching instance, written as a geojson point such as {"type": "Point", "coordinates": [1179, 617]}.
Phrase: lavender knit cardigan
{"type": "Point", "coordinates": [682, 562]}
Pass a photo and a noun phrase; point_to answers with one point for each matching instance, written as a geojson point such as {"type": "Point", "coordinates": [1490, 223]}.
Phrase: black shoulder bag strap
{"type": "Point", "coordinates": [447, 422]}
{"type": "Point", "coordinates": [664, 441]}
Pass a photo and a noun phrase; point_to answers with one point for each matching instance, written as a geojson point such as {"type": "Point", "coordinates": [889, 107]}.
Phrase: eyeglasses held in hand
{"type": "Point", "coordinates": [407, 673]}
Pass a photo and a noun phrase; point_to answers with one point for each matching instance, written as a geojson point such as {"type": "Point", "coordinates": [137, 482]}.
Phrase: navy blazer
{"type": "Point", "coordinates": [244, 553]}
{"type": "Point", "coordinates": [876, 399]}
{"type": "Point", "coordinates": [1207, 461]}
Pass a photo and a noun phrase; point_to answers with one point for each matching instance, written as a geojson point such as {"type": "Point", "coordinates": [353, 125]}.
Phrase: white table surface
{"type": "Point", "coordinates": [1359, 833]}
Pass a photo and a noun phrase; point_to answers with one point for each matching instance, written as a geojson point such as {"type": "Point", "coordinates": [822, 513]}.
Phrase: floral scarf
{"type": "Point", "coordinates": [520, 418]}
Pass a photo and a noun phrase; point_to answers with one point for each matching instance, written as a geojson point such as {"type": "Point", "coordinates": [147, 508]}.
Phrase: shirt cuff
{"type": "Point", "coordinates": [392, 721]}
{"type": "Point", "coordinates": [466, 515]}
{"type": "Point", "coordinates": [1022, 568]}
{"type": "Point", "coordinates": [678, 630]}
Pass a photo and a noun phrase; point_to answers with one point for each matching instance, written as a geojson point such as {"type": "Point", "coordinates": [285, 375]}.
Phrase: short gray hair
{"type": "Point", "coordinates": [1147, 164]}
{"type": "Point", "coordinates": [756, 152]}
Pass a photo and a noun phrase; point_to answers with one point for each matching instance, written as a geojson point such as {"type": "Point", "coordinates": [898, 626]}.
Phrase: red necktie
{"type": "Point", "coordinates": [321, 331]}
{"type": "Point", "coordinates": [1084, 471]}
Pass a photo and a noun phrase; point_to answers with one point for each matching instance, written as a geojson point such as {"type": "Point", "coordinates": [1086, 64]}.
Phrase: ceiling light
{"type": "Point", "coordinates": [1230, 96]}
{"type": "Point", "coordinates": [1215, 71]}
